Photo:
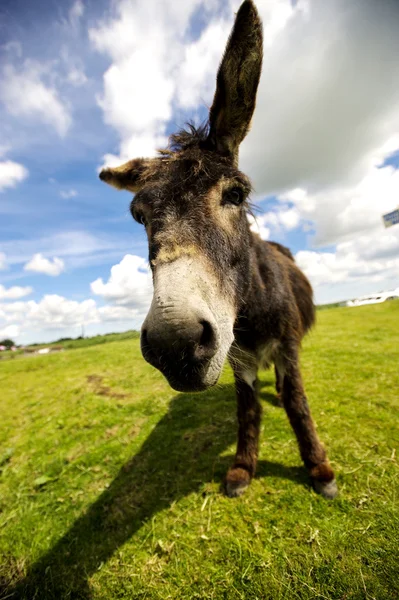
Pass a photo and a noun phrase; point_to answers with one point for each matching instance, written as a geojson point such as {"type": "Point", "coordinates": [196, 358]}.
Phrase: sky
{"type": "Point", "coordinates": [88, 83]}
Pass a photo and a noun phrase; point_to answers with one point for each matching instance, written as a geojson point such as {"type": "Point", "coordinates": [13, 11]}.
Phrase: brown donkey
{"type": "Point", "coordinates": [219, 290]}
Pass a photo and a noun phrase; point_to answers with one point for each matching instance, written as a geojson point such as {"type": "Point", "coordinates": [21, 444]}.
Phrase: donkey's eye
{"type": "Point", "coordinates": [233, 196]}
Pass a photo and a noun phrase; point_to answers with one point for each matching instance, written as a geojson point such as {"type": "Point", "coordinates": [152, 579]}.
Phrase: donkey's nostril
{"type": "Point", "coordinates": [144, 338]}
{"type": "Point", "coordinates": [208, 336]}
{"type": "Point", "coordinates": [149, 351]}
{"type": "Point", "coordinates": [207, 342]}
{"type": "Point", "coordinates": [193, 341]}
{"type": "Point", "coordinates": [145, 346]}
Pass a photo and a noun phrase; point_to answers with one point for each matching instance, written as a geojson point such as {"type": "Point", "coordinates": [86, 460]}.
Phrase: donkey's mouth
{"type": "Point", "coordinates": [183, 372]}
{"type": "Point", "coordinates": [184, 375]}
{"type": "Point", "coordinates": [189, 386]}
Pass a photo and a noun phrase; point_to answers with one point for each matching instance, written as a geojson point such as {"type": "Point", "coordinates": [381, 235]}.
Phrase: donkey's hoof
{"type": "Point", "coordinates": [328, 489]}
{"type": "Point", "coordinates": [237, 481]}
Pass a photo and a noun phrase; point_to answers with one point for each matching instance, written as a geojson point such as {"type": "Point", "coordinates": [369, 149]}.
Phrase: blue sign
{"type": "Point", "coordinates": [391, 218]}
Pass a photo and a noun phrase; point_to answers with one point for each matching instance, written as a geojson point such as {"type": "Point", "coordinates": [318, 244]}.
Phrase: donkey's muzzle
{"type": "Point", "coordinates": [181, 350]}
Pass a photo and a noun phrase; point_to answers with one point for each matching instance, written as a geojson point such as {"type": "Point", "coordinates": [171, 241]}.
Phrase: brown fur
{"type": "Point", "coordinates": [181, 198]}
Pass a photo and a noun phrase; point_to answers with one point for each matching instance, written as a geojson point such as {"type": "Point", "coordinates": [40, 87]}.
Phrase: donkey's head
{"type": "Point", "coordinates": [192, 200]}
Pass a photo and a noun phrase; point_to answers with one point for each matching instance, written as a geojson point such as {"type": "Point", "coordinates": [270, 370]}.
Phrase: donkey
{"type": "Point", "coordinates": [219, 290]}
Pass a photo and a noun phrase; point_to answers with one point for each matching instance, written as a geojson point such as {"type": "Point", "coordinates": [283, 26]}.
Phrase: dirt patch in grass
{"type": "Point", "coordinates": [96, 382]}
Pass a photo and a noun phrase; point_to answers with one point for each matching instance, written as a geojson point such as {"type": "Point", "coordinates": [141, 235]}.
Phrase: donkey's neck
{"type": "Point", "coordinates": [264, 308]}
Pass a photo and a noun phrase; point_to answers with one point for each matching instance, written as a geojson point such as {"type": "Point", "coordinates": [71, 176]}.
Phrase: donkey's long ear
{"type": "Point", "coordinates": [237, 82]}
{"type": "Point", "coordinates": [128, 176]}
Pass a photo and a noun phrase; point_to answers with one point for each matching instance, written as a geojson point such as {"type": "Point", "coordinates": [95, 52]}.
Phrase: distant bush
{"type": "Point", "coordinates": [332, 305]}
{"type": "Point", "coordinates": [82, 342]}
{"type": "Point", "coordinates": [7, 343]}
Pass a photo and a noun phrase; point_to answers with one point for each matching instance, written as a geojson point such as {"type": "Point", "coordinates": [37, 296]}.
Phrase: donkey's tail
{"type": "Point", "coordinates": [304, 298]}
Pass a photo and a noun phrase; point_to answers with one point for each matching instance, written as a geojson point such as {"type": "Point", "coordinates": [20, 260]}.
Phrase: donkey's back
{"type": "Point", "coordinates": [284, 292]}
{"type": "Point", "coordinates": [300, 287]}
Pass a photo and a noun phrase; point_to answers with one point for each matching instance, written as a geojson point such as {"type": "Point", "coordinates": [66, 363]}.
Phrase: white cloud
{"type": "Point", "coordinates": [143, 144]}
{"type": "Point", "coordinates": [76, 13]}
{"type": "Point", "coordinates": [328, 98]}
{"type": "Point", "coordinates": [10, 332]}
{"type": "Point", "coordinates": [127, 294]}
{"type": "Point", "coordinates": [136, 104]}
{"type": "Point", "coordinates": [77, 77]}
{"type": "Point", "coordinates": [327, 117]}
{"type": "Point", "coordinates": [11, 173]}
{"type": "Point", "coordinates": [3, 262]}
{"type": "Point", "coordinates": [151, 37]}
{"type": "Point", "coordinates": [72, 62]}
{"type": "Point", "coordinates": [13, 48]}
{"type": "Point", "coordinates": [289, 218]}
{"type": "Point", "coordinates": [79, 247]}
{"type": "Point", "coordinates": [24, 94]}
{"type": "Point", "coordinates": [14, 292]}
{"type": "Point", "coordinates": [366, 263]}
{"type": "Point", "coordinates": [110, 314]}
{"type": "Point", "coordinates": [56, 316]}
{"type": "Point", "coordinates": [66, 194]}
{"type": "Point", "coordinates": [196, 75]}
{"type": "Point", "coordinates": [275, 15]}
{"type": "Point", "coordinates": [129, 285]}
{"type": "Point", "coordinates": [283, 219]}
{"type": "Point", "coordinates": [328, 95]}
{"type": "Point", "coordinates": [341, 212]}
{"type": "Point", "coordinates": [40, 264]}
{"type": "Point", "coordinates": [132, 106]}
{"type": "Point", "coordinates": [4, 148]}
{"type": "Point", "coordinates": [52, 312]}
{"type": "Point", "coordinates": [153, 68]}
{"type": "Point", "coordinates": [325, 267]}
{"type": "Point", "coordinates": [258, 225]}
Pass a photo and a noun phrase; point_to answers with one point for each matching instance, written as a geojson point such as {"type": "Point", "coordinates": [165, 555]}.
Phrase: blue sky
{"type": "Point", "coordinates": [83, 84]}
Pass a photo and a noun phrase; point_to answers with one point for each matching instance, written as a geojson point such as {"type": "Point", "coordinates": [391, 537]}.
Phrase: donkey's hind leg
{"type": "Point", "coordinates": [249, 414]}
{"type": "Point", "coordinates": [296, 405]}
{"type": "Point", "coordinates": [279, 385]}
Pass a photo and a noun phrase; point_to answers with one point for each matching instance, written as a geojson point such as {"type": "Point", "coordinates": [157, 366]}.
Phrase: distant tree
{"type": "Point", "coordinates": [7, 343]}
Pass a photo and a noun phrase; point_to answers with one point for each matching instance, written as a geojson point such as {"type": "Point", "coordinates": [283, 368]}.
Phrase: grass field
{"type": "Point", "coordinates": [110, 481]}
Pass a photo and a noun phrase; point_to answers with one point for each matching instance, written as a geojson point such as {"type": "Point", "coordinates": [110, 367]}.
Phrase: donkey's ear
{"type": "Point", "coordinates": [128, 176]}
{"type": "Point", "coordinates": [237, 82]}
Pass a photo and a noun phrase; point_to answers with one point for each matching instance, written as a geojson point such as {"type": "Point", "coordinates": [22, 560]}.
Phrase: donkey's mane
{"type": "Point", "coordinates": [189, 137]}
{"type": "Point", "coordinates": [188, 144]}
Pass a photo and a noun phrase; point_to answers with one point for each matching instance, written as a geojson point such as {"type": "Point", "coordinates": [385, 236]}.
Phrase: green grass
{"type": "Point", "coordinates": [110, 481]}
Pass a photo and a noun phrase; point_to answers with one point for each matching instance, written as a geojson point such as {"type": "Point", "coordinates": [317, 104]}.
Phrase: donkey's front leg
{"type": "Point", "coordinates": [312, 451]}
{"type": "Point", "coordinates": [249, 414]}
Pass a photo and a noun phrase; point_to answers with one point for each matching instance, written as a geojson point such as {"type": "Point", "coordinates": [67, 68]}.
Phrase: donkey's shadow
{"type": "Point", "coordinates": [178, 457]}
